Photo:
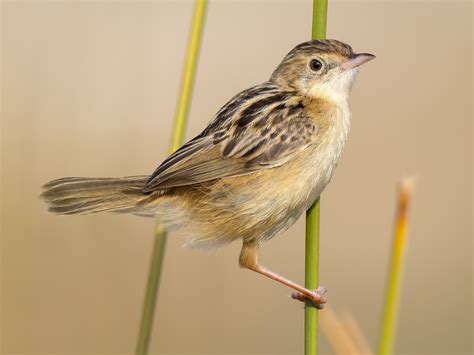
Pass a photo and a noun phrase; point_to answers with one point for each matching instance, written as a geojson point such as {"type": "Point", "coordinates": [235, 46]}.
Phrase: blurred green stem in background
{"type": "Point", "coordinates": [392, 298]}
{"type": "Point", "coordinates": [177, 139]}
{"type": "Point", "coordinates": [320, 10]}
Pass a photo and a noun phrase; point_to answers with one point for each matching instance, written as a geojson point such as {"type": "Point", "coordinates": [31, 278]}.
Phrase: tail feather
{"type": "Point", "coordinates": [78, 195]}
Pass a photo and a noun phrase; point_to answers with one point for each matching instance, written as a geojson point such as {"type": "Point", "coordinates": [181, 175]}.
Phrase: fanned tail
{"type": "Point", "coordinates": [82, 195]}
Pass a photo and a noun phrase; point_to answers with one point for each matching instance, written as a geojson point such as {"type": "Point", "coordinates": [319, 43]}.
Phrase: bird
{"type": "Point", "coordinates": [262, 161]}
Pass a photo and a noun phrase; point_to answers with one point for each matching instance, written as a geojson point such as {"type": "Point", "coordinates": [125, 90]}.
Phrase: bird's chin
{"type": "Point", "coordinates": [349, 75]}
{"type": "Point", "coordinates": [338, 87]}
{"type": "Point", "coordinates": [342, 84]}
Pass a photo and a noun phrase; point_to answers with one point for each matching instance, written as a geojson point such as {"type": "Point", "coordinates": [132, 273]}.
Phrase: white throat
{"type": "Point", "coordinates": [339, 88]}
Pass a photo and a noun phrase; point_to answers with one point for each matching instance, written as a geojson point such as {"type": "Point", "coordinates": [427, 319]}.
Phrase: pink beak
{"type": "Point", "coordinates": [356, 60]}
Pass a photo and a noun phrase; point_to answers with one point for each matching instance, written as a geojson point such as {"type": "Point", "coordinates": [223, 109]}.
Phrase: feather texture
{"type": "Point", "coordinates": [260, 128]}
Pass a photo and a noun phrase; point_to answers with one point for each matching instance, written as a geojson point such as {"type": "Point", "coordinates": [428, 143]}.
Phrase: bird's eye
{"type": "Point", "coordinates": [315, 65]}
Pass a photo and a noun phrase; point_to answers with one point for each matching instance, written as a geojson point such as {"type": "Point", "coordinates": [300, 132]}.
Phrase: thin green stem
{"type": "Point", "coordinates": [320, 8]}
{"type": "Point", "coordinates": [311, 278]}
{"type": "Point", "coordinates": [177, 139]}
{"type": "Point", "coordinates": [189, 74]}
{"type": "Point", "coordinates": [148, 311]}
{"type": "Point", "coordinates": [320, 15]}
{"type": "Point", "coordinates": [392, 298]}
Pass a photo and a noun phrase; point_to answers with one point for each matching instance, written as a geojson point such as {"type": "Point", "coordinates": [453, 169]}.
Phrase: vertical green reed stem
{"type": "Point", "coordinates": [320, 9]}
{"type": "Point", "coordinates": [392, 298]}
{"type": "Point", "coordinates": [177, 139]}
{"type": "Point", "coordinates": [311, 278]}
{"type": "Point", "coordinates": [320, 15]}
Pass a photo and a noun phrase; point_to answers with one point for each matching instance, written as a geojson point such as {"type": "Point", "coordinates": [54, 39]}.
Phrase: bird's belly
{"type": "Point", "coordinates": [260, 205]}
{"type": "Point", "coordinates": [282, 194]}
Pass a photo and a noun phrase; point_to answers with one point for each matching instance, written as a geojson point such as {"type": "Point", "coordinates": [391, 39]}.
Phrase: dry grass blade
{"type": "Point", "coordinates": [355, 333]}
{"type": "Point", "coordinates": [343, 333]}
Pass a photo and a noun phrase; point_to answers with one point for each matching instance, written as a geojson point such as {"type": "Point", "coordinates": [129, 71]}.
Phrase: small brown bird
{"type": "Point", "coordinates": [263, 160]}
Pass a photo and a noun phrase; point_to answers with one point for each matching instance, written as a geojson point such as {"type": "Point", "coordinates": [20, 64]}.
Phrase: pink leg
{"type": "Point", "coordinates": [302, 293]}
{"type": "Point", "coordinates": [249, 259]}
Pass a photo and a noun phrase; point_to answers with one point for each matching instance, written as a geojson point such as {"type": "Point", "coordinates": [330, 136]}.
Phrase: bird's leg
{"type": "Point", "coordinates": [249, 259]}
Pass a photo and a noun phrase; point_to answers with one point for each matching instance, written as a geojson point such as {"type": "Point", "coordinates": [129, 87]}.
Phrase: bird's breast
{"type": "Point", "coordinates": [264, 203]}
{"type": "Point", "coordinates": [319, 162]}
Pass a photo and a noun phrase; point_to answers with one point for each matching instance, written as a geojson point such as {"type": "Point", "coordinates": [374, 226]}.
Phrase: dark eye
{"type": "Point", "coordinates": [315, 65]}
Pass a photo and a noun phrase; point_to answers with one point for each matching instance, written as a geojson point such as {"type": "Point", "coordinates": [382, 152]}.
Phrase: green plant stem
{"type": "Point", "coordinates": [394, 281]}
{"type": "Point", "coordinates": [153, 281]}
{"type": "Point", "coordinates": [320, 15]}
{"type": "Point", "coordinates": [177, 139]}
{"type": "Point", "coordinates": [320, 8]}
{"type": "Point", "coordinates": [189, 74]}
{"type": "Point", "coordinates": [311, 278]}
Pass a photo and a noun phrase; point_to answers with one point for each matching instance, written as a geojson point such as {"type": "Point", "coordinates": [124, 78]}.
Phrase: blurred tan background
{"type": "Point", "coordinates": [89, 89]}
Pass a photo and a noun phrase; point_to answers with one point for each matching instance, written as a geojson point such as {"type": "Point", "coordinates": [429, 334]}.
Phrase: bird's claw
{"type": "Point", "coordinates": [316, 297]}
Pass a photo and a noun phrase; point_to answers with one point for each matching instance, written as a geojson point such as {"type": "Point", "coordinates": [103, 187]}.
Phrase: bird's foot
{"type": "Point", "coordinates": [316, 297]}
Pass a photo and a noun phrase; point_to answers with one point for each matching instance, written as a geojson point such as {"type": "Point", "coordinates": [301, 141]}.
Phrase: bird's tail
{"type": "Point", "coordinates": [79, 195]}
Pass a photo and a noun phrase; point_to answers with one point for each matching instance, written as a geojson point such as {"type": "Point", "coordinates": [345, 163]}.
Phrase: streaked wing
{"type": "Point", "coordinates": [260, 128]}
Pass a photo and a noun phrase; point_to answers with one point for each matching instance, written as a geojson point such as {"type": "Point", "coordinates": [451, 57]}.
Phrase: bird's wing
{"type": "Point", "coordinates": [260, 128]}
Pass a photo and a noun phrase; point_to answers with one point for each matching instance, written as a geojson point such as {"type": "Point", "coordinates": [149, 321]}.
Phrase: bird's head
{"type": "Point", "coordinates": [327, 67]}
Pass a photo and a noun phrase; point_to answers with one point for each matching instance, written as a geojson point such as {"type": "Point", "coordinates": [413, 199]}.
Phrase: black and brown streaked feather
{"type": "Point", "coordinates": [260, 128]}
